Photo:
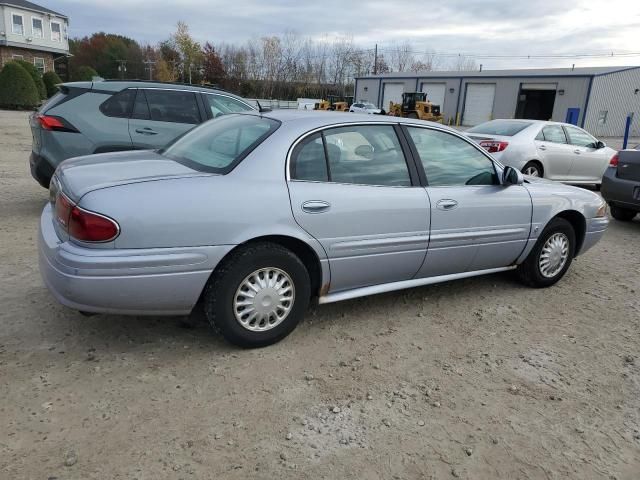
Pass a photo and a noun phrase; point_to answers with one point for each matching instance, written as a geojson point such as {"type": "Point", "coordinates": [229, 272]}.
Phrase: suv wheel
{"type": "Point", "coordinates": [258, 295]}
{"type": "Point", "coordinates": [622, 214]}
{"type": "Point", "coordinates": [551, 256]}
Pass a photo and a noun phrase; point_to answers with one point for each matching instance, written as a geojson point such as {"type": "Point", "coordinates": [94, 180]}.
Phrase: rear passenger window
{"type": "Point", "coordinates": [360, 154]}
{"type": "Point", "coordinates": [141, 107]}
{"type": "Point", "coordinates": [119, 104]}
{"type": "Point", "coordinates": [172, 106]}
{"type": "Point", "coordinates": [554, 134]}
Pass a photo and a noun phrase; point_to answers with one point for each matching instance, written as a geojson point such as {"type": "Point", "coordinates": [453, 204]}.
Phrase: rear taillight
{"type": "Point", "coordinates": [614, 160]}
{"type": "Point", "coordinates": [82, 224]}
{"type": "Point", "coordinates": [57, 124]}
{"type": "Point", "coordinates": [493, 146]}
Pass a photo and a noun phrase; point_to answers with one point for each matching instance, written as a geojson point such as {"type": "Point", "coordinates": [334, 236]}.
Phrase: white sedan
{"type": "Point", "coordinates": [364, 107]}
{"type": "Point", "coordinates": [553, 150]}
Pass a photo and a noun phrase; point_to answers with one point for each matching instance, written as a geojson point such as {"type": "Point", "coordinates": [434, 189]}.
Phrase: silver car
{"type": "Point", "coordinates": [557, 151]}
{"type": "Point", "coordinates": [364, 107]}
{"type": "Point", "coordinates": [256, 215]}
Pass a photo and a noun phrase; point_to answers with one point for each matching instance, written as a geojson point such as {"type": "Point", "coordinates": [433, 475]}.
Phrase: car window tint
{"type": "Point", "coordinates": [309, 161]}
{"type": "Point", "coordinates": [119, 104]}
{"type": "Point", "coordinates": [218, 145]}
{"type": "Point", "coordinates": [221, 104]}
{"type": "Point", "coordinates": [449, 160]}
{"type": "Point", "coordinates": [580, 138]}
{"type": "Point", "coordinates": [172, 106]}
{"type": "Point", "coordinates": [366, 155]}
{"type": "Point", "coordinates": [554, 134]}
{"type": "Point", "coordinates": [140, 107]}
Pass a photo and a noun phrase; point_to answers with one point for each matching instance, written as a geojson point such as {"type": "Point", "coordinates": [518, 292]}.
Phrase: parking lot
{"type": "Point", "coordinates": [480, 379]}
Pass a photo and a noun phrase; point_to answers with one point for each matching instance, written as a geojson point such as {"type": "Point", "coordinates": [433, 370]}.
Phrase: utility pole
{"type": "Point", "coordinates": [122, 68]}
{"type": "Point", "coordinates": [375, 61]}
{"type": "Point", "coordinates": [149, 66]}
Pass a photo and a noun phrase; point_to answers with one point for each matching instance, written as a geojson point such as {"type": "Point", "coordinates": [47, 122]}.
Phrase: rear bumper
{"type": "Point", "coordinates": [595, 231]}
{"type": "Point", "coordinates": [158, 281]}
{"type": "Point", "coordinates": [41, 169]}
{"type": "Point", "coordinates": [620, 192]}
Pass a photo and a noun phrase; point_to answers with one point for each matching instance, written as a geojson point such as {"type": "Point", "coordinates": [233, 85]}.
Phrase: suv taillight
{"type": "Point", "coordinates": [57, 124]}
{"type": "Point", "coordinates": [614, 160]}
{"type": "Point", "coordinates": [82, 224]}
{"type": "Point", "coordinates": [493, 146]}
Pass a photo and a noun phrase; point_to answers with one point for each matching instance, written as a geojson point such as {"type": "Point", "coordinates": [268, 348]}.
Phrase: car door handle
{"type": "Point", "coordinates": [315, 206]}
{"type": "Point", "coordinates": [577, 151]}
{"type": "Point", "coordinates": [146, 131]}
{"type": "Point", "coordinates": [542, 147]}
{"type": "Point", "coordinates": [446, 204]}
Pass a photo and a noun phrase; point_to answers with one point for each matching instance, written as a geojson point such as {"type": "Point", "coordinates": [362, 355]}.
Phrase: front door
{"type": "Point", "coordinates": [554, 149]}
{"type": "Point", "coordinates": [351, 189]}
{"type": "Point", "coordinates": [159, 116]}
{"type": "Point", "coordinates": [476, 223]}
{"type": "Point", "coordinates": [589, 162]}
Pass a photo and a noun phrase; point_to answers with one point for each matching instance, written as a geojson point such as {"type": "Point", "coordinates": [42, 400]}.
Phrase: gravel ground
{"type": "Point", "coordinates": [478, 379]}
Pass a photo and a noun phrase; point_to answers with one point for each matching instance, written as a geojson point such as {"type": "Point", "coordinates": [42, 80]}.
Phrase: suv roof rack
{"type": "Point", "coordinates": [184, 84]}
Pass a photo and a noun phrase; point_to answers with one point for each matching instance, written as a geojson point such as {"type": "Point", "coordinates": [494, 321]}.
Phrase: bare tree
{"type": "Point", "coordinates": [401, 56]}
{"type": "Point", "coordinates": [464, 64]}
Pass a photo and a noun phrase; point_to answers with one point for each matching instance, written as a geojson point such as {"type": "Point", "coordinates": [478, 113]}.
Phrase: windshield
{"type": "Point", "coordinates": [369, 105]}
{"type": "Point", "coordinates": [220, 144]}
{"type": "Point", "coordinates": [507, 128]}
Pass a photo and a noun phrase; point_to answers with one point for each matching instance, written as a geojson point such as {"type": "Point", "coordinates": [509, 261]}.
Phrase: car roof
{"type": "Point", "coordinates": [117, 85]}
{"type": "Point", "coordinates": [310, 119]}
{"type": "Point", "coordinates": [527, 120]}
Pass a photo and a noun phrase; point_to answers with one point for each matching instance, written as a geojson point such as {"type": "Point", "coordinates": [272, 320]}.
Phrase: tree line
{"type": "Point", "coordinates": [284, 66]}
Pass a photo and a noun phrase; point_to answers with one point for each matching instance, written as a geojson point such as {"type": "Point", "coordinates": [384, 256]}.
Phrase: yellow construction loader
{"type": "Point", "coordinates": [416, 105]}
{"type": "Point", "coordinates": [335, 103]}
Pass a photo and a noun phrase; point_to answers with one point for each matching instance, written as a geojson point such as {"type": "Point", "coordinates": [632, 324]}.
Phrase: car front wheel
{"type": "Point", "coordinates": [622, 214]}
{"type": "Point", "coordinates": [551, 256]}
{"type": "Point", "coordinates": [258, 295]}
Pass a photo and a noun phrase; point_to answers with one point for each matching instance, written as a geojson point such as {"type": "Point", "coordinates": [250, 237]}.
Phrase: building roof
{"type": "Point", "coordinates": [524, 72]}
{"type": "Point", "coordinates": [31, 6]}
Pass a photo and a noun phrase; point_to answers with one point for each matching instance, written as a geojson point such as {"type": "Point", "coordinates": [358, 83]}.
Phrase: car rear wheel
{"type": "Point", "coordinates": [551, 256]}
{"type": "Point", "coordinates": [533, 169]}
{"type": "Point", "coordinates": [622, 214]}
{"type": "Point", "coordinates": [258, 295]}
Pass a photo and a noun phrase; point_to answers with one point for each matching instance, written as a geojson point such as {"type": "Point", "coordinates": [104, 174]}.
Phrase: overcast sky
{"type": "Point", "coordinates": [488, 27]}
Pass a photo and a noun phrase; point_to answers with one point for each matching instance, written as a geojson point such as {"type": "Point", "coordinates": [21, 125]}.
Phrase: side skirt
{"type": "Point", "coordinates": [416, 282]}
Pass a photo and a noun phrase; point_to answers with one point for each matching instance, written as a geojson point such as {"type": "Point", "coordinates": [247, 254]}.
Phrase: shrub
{"type": "Point", "coordinates": [85, 73]}
{"type": "Point", "coordinates": [17, 88]}
{"type": "Point", "coordinates": [51, 80]}
{"type": "Point", "coordinates": [36, 75]}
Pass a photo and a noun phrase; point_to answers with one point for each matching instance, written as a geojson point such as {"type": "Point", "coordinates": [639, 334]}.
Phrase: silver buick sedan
{"type": "Point", "coordinates": [255, 215]}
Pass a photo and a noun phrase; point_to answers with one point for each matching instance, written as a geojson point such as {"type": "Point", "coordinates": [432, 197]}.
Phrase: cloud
{"type": "Point", "coordinates": [495, 27]}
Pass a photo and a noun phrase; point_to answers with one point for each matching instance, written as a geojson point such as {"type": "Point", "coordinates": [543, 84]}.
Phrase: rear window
{"type": "Point", "coordinates": [506, 128]}
{"type": "Point", "coordinates": [220, 144]}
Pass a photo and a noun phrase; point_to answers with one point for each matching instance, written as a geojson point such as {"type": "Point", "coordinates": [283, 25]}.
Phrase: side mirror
{"type": "Point", "coordinates": [365, 151]}
{"type": "Point", "coordinates": [600, 145]}
{"type": "Point", "coordinates": [511, 176]}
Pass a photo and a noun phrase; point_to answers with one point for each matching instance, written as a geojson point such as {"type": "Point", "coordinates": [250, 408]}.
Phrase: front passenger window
{"type": "Point", "coordinates": [449, 160]}
{"type": "Point", "coordinates": [173, 106]}
{"type": "Point", "coordinates": [580, 138]}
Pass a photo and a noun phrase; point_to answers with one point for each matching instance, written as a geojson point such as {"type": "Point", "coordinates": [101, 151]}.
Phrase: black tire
{"type": "Point", "coordinates": [529, 271]}
{"type": "Point", "coordinates": [622, 214]}
{"type": "Point", "coordinates": [221, 289]}
{"type": "Point", "coordinates": [533, 166]}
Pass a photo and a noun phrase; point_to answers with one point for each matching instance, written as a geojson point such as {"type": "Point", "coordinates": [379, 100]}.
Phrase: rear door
{"type": "Point", "coordinates": [353, 190]}
{"type": "Point", "coordinates": [161, 115]}
{"type": "Point", "coordinates": [557, 155]}
{"type": "Point", "coordinates": [476, 223]}
{"type": "Point", "coordinates": [589, 162]}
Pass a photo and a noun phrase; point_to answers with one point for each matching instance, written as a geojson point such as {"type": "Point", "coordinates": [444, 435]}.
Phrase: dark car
{"type": "Point", "coordinates": [110, 116]}
{"type": "Point", "coordinates": [621, 184]}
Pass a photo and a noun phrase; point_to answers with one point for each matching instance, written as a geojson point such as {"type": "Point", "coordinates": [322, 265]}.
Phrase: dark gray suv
{"type": "Point", "coordinates": [108, 116]}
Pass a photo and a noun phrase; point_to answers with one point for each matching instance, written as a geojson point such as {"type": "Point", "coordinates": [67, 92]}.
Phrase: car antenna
{"type": "Point", "coordinates": [261, 109]}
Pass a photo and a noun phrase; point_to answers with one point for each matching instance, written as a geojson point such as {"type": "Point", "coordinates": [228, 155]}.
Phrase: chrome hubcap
{"type": "Point", "coordinates": [532, 172]}
{"type": "Point", "coordinates": [264, 299]}
{"type": "Point", "coordinates": [554, 255]}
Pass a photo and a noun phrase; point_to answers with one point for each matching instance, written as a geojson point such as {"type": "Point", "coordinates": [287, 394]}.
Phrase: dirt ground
{"type": "Point", "coordinates": [475, 379]}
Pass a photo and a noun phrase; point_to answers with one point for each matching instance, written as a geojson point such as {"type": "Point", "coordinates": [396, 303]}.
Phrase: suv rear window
{"type": "Point", "coordinates": [119, 104]}
{"type": "Point", "coordinates": [506, 128]}
{"type": "Point", "coordinates": [220, 144]}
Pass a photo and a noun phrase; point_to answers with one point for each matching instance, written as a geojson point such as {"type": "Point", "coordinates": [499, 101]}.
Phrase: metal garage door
{"type": "Point", "coordinates": [435, 93]}
{"type": "Point", "coordinates": [478, 105]}
{"type": "Point", "coordinates": [392, 93]}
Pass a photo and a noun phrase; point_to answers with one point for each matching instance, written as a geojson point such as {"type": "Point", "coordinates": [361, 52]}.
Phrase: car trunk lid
{"type": "Point", "coordinates": [629, 165]}
{"type": "Point", "coordinates": [82, 175]}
